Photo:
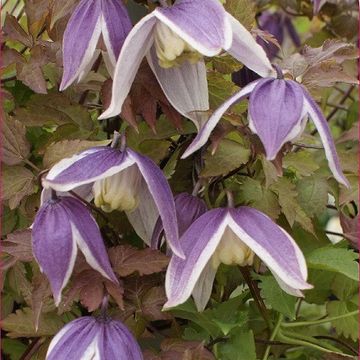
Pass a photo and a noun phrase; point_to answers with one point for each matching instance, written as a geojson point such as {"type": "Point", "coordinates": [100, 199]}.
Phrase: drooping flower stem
{"type": "Point", "coordinates": [255, 292]}
{"type": "Point", "coordinates": [117, 139]}
{"type": "Point", "coordinates": [197, 187]}
{"type": "Point", "coordinates": [230, 199]}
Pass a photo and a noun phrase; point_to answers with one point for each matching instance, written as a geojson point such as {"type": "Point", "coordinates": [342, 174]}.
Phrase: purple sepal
{"type": "Point", "coordinates": [163, 198]}
{"type": "Point", "coordinates": [94, 338]}
{"type": "Point", "coordinates": [275, 110]}
{"type": "Point", "coordinates": [60, 227]}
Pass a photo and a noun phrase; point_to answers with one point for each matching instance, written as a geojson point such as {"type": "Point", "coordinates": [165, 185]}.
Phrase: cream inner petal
{"type": "Point", "coordinates": [119, 191]}
{"type": "Point", "coordinates": [232, 251]}
{"type": "Point", "coordinates": [171, 49]}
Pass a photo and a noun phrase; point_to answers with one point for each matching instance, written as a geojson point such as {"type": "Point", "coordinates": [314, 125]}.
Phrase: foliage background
{"type": "Point", "coordinates": [42, 126]}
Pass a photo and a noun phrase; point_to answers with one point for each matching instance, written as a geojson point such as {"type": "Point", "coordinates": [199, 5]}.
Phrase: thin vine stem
{"type": "Point", "coordinates": [318, 322]}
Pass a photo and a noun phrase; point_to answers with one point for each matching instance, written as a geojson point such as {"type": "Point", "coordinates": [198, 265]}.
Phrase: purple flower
{"type": "Point", "coordinates": [278, 112]}
{"type": "Point", "coordinates": [91, 20]}
{"type": "Point", "coordinates": [232, 236]}
{"type": "Point", "coordinates": [174, 39]}
{"type": "Point", "coordinates": [61, 226]}
{"type": "Point", "coordinates": [123, 180]}
{"type": "Point", "coordinates": [188, 209]}
{"type": "Point", "coordinates": [276, 24]}
{"type": "Point", "coordinates": [89, 338]}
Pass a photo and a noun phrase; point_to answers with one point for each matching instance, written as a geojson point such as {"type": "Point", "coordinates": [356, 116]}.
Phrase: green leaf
{"type": "Point", "coordinates": [54, 109]}
{"type": "Point", "coordinates": [14, 348]}
{"type": "Point", "coordinates": [228, 315]}
{"type": "Point", "coordinates": [228, 156]}
{"type": "Point", "coordinates": [155, 149]}
{"type": "Point", "coordinates": [321, 280]}
{"type": "Point", "coordinates": [343, 287]}
{"type": "Point", "coordinates": [336, 260]}
{"type": "Point", "coordinates": [226, 64]}
{"type": "Point", "coordinates": [220, 89]}
{"type": "Point", "coordinates": [240, 346]}
{"type": "Point", "coordinates": [242, 10]}
{"type": "Point", "coordinates": [271, 174]}
{"type": "Point", "coordinates": [301, 162]}
{"type": "Point", "coordinates": [348, 326]}
{"type": "Point", "coordinates": [18, 182]}
{"type": "Point", "coordinates": [21, 324]}
{"type": "Point", "coordinates": [188, 311]}
{"type": "Point", "coordinates": [290, 207]}
{"type": "Point", "coordinates": [313, 194]}
{"type": "Point", "coordinates": [254, 194]}
{"type": "Point", "coordinates": [276, 297]}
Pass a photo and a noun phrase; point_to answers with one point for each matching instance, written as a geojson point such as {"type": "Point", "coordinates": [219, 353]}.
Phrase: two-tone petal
{"type": "Point", "coordinates": [90, 20]}
{"type": "Point", "coordinates": [248, 228]}
{"type": "Point", "coordinates": [90, 338]}
{"type": "Point", "coordinates": [275, 111]}
{"type": "Point", "coordinates": [61, 226]}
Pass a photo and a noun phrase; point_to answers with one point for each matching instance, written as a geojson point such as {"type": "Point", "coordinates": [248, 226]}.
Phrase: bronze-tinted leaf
{"type": "Point", "coordinates": [127, 260]}
{"type": "Point", "coordinates": [16, 147]}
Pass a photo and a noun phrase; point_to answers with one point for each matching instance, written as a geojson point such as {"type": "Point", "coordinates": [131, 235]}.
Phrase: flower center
{"type": "Point", "coordinates": [119, 191]}
{"type": "Point", "coordinates": [171, 50]}
{"type": "Point", "coordinates": [232, 251]}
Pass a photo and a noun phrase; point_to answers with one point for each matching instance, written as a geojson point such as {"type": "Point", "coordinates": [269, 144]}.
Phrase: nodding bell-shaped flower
{"type": "Point", "coordinates": [91, 21]}
{"type": "Point", "coordinates": [174, 40]}
{"type": "Point", "coordinates": [232, 236]}
{"type": "Point", "coordinates": [61, 226]}
{"type": "Point", "coordinates": [122, 180]}
{"type": "Point", "coordinates": [188, 209]}
{"type": "Point", "coordinates": [278, 112]}
{"type": "Point", "coordinates": [89, 338]}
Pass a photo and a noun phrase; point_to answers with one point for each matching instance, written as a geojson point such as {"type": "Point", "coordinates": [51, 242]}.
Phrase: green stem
{"type": "Point", "coordinates": [321, 321]}
{"type": "Point", "coordinates": [272, 337]}
{"type": "Point", "coordinates": [312, 340]}
{"type": "Point", "coordinates": [291, 341]}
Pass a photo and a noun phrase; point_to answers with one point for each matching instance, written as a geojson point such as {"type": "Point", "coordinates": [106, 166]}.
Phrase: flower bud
{"type": "Point", "coordinates": [171, 50]}
{"type": "Point", "coordinates": [119, 191]}
{"type": "Point", "coordinates": [232, 251]}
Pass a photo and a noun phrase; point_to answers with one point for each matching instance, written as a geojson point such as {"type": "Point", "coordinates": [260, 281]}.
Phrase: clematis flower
{"type": "Point", "coordinates": [277, 24]}
{"type": "Point", "coordinates": [91, 21]}
{"type": "Point", "coordinates": [174, 40]}
{"type": "Point", "coordinates": [61, 226]}
{"type": "Point", "coordinates": [188, 209]}
{"type": "Point", "coordinates": [278, 112]}
{"type": "Point", "coordinates": [232, 236]}
{"type": "Point", "coordinates": [89, 338]}
{"type": "Point", "coordinates": [122, 180]}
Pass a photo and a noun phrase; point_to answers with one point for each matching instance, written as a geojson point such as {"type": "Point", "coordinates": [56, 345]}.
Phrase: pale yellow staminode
{"type": "Point", "coordinates": [232, 251]}
{"type": "Point", "coordinates": [119, 191]}
{"type": "Point", "coordinates": [171, 50]}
